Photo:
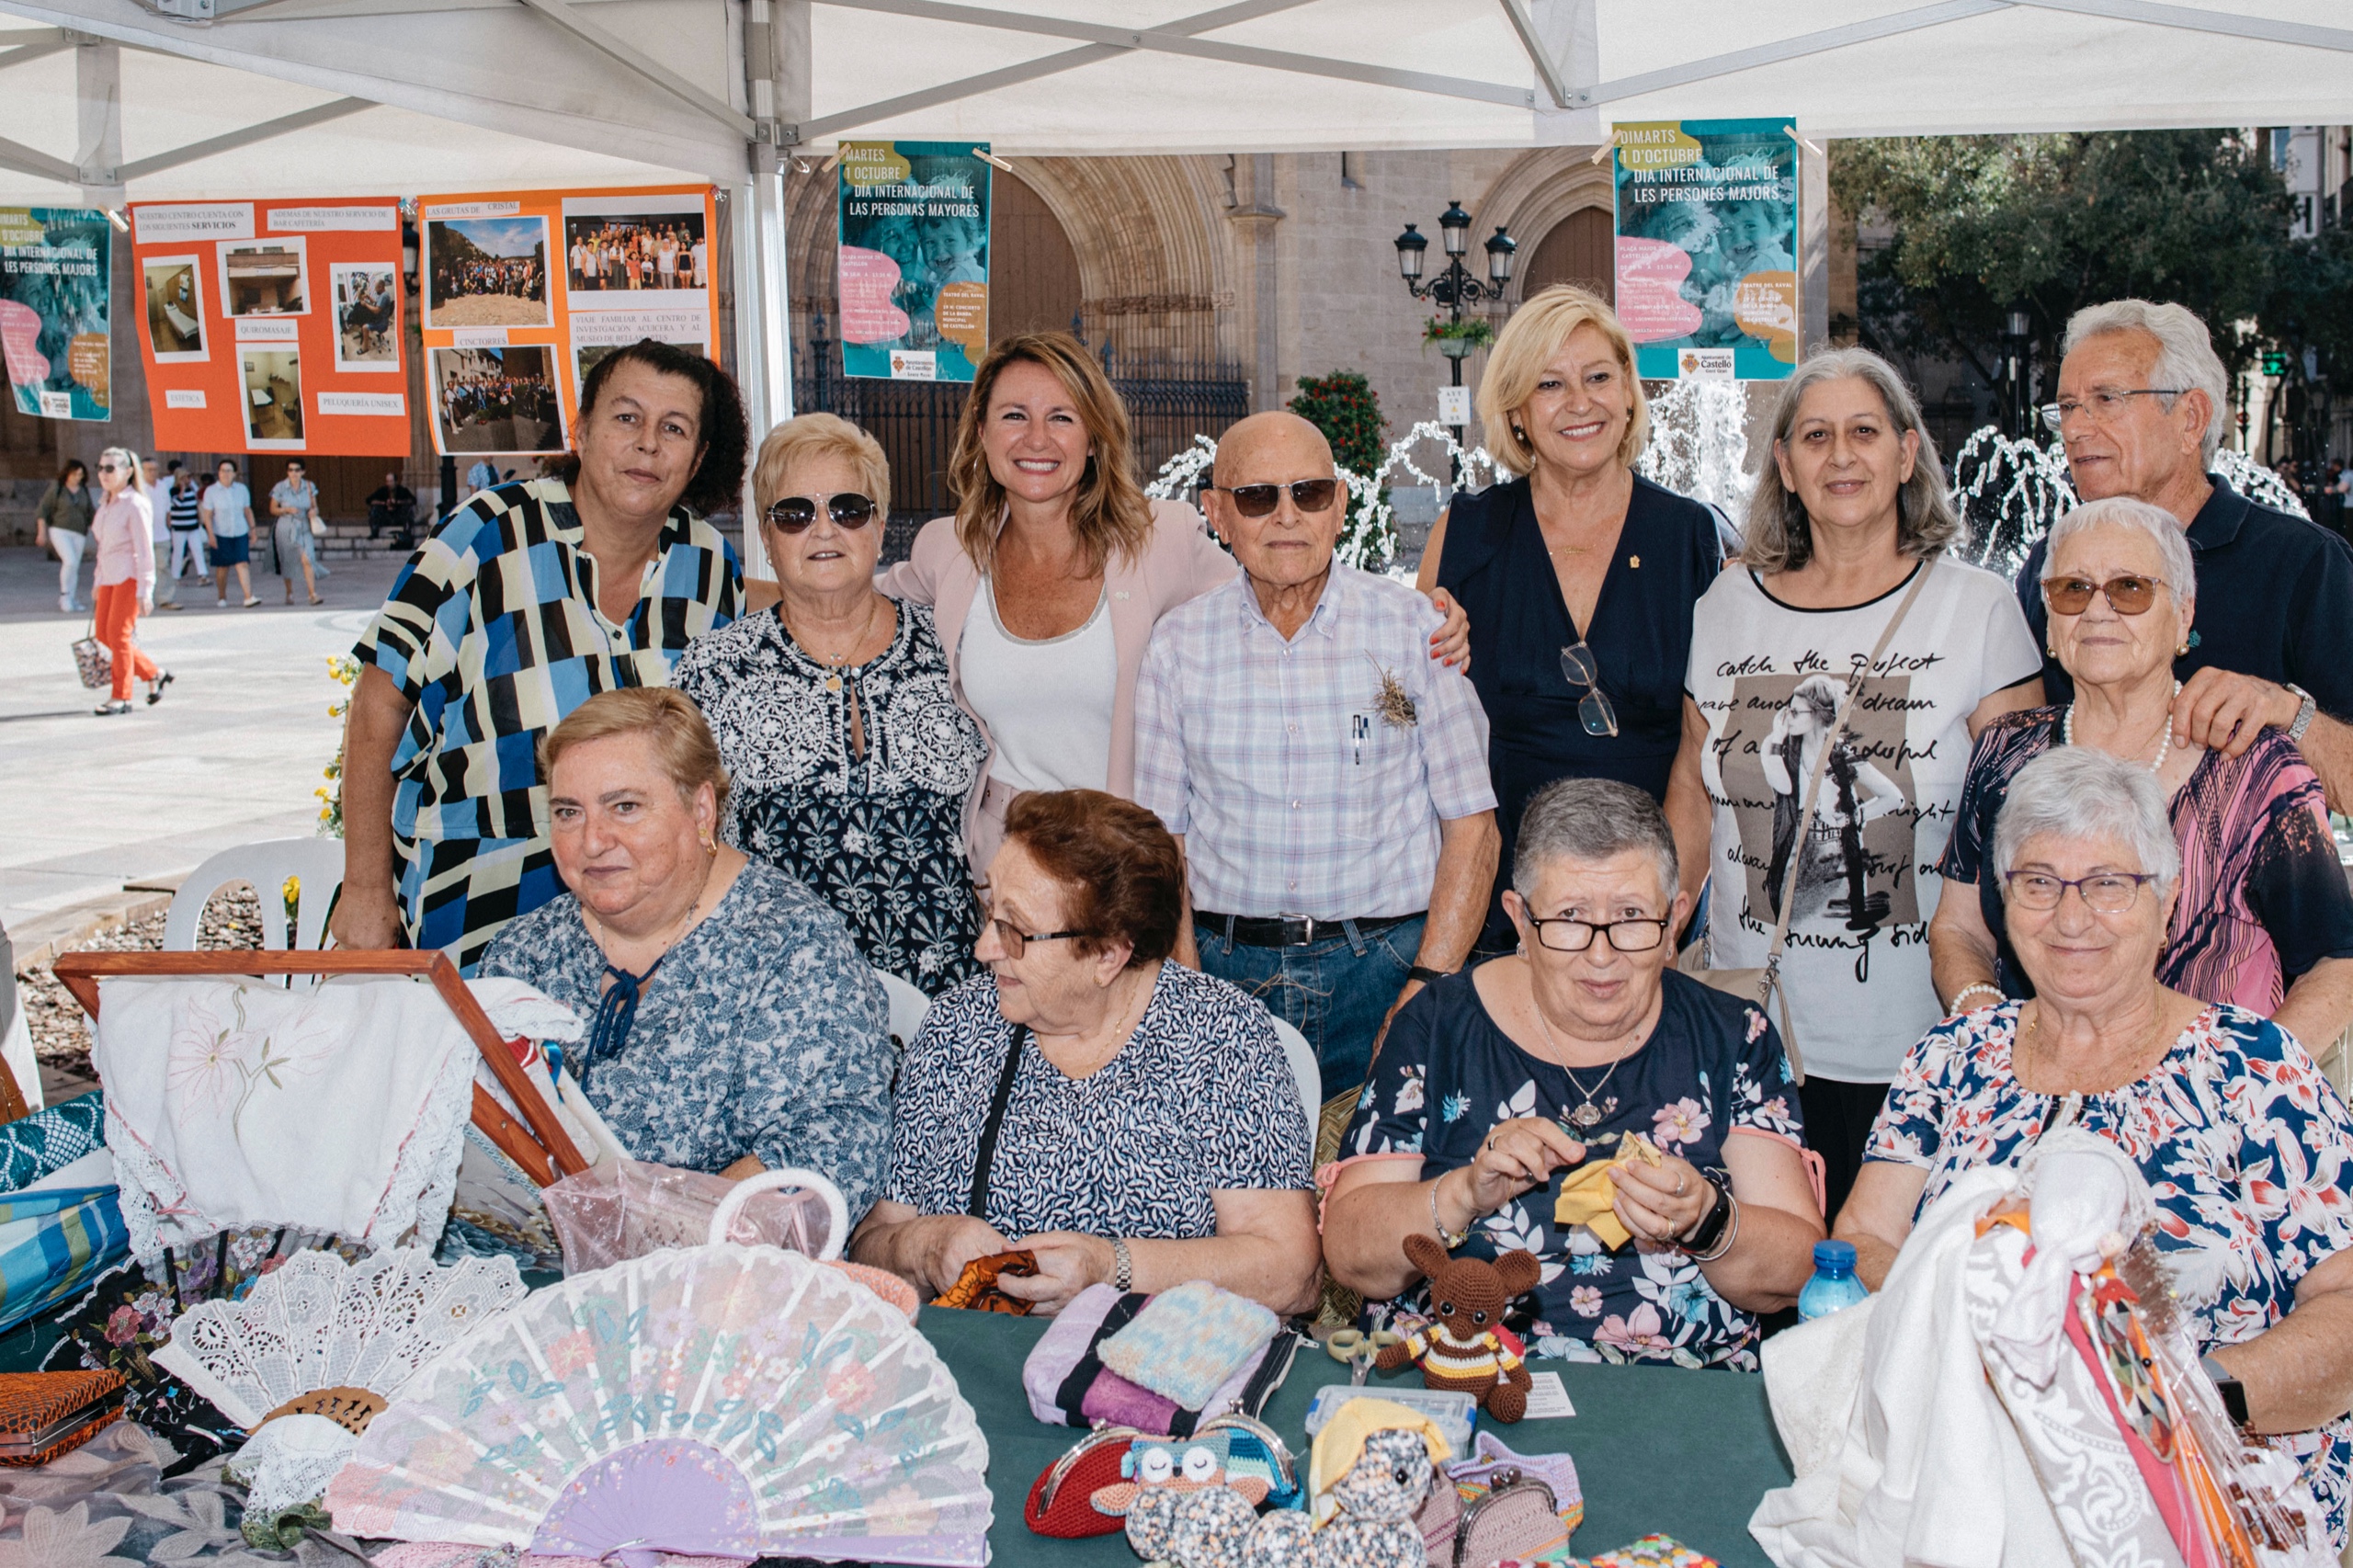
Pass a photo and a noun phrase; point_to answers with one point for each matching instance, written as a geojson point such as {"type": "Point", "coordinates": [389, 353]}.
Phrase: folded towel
{"type": "Point", "coordinates": [1587, 1195]}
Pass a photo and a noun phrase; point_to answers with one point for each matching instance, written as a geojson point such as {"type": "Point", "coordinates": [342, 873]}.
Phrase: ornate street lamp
{"type": "Point", "coordinates": [1455, 287]}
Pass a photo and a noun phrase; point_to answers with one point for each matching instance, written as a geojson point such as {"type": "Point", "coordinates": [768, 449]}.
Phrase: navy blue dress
{"type": "Point", "coordinates": [1496, 565]}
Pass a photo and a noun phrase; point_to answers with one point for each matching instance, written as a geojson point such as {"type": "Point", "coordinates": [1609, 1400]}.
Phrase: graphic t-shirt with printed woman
{"type": "Point", "coordinates": [1713, 1067]}
{"type": "Point", "coordinates": [1769, 677]}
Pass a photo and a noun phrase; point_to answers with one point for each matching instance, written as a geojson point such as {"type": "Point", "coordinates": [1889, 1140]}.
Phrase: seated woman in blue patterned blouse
{"type": "Point", "coordinates": [1127, 1120]}
{"type": "Point", "coordinates": [854, 767]}
{"type": "Point", "coordinates": [736, 1027]}
{"type": "Point", "coordinates": [1498, 1083]}
{"type": "Point", "coordinates": [2246, 1145]}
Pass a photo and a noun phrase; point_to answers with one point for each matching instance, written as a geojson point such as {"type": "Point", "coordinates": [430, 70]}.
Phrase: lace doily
{"type": "Point", "coordinates": [290, 1463]}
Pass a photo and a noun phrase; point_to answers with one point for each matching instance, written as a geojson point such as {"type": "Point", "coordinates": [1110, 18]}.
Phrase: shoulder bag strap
{"type": "Point", "coordinates": [985, 1155]}
{"type": "Point", "coordinates": [1821, 764]}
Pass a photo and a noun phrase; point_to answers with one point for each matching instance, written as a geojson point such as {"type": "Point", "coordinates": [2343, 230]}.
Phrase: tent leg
{"type": "Point", "coordinates": [762, 343]}
{"type": "Point", "coordinates": [97, 86]}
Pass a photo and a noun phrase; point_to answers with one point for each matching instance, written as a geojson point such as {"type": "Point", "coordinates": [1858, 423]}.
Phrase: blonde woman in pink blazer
{"type": "Point", "coordinates": [1046, 583]}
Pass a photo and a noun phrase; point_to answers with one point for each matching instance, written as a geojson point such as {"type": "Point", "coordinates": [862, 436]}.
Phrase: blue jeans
{"type": "Point", "coordinates": [1335, 991]}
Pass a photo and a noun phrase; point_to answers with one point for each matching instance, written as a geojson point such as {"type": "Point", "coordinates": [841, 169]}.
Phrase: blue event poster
{"type": "Point", "coordinates": [915, 259]}
{"type": "Point", "coordinates": [55, 273]}
{"type": "Point", "coordinates": [1707, 248]}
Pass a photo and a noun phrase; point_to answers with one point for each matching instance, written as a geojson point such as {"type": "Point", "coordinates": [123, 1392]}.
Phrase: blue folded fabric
{"type": "Point", "coordinates": [49, 1141]}
{"type": "Point", "coordinates": [53, 1243]}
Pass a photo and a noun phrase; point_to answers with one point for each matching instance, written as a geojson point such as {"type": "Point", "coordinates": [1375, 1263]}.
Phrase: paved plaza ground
{"type": "Point", "coordinates": [230, 755]}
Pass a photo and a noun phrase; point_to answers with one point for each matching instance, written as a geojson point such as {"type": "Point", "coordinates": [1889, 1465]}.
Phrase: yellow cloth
{"type": "Point", "coordinates": [1585, 1197]}
{"type": "Point", "coordinates": [1341, 1444]}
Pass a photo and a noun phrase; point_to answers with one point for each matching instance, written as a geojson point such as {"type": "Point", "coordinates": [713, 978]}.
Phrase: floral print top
{"type": "Point", "coordinates": [877, 833]}
{"type": "Point", "coordinates": [1712, 1066]}
{"type": "Point", "coordinates": [2247, 1148]}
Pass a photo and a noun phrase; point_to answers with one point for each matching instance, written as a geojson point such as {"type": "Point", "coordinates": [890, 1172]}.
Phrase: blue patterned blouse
{"type": "Point", "coordinates": [2247, 1148]}
{"type": "Point", "coordinates": [1712, 1066]}
{"type": "Point", "coordinates": [1201, 1100]}
{"type": "Point", "coordinates": [761, 1033]}
{"type": "Point", "coordinates": [878, 835]}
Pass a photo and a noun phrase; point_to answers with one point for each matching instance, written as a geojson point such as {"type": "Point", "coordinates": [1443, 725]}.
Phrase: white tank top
{"type": "Point", "coordinates": [1047, 704]}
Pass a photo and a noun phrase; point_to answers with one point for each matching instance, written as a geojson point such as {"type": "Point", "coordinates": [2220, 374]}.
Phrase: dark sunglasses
{"type": "Point", "coordinates": [108, 468]}
{"type": "Point", "coordinates": [794, 513]}
{"type": "Point", "coordinates": [1259, 500]}
{"type": "Point", "coordinates": [2125, 596]}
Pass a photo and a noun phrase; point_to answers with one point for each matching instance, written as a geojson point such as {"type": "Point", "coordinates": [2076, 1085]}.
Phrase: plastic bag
{"type": "Point", "coordinates": [624, 1209]}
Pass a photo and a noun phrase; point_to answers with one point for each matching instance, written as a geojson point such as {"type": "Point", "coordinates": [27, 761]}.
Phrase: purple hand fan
{"type": "Point", "coordinates": [672, 1495]}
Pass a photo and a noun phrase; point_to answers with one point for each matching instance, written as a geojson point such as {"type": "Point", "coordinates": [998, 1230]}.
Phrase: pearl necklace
{"type": "Point", "coordinates": [2165, 742]}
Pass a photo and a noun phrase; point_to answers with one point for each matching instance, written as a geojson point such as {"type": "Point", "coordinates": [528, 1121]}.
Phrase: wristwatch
{"type": "Point", "coordinates": [1123, 1267]}
{"type": "Point", "coordinates": [2234, 1391]}
{"type": "Point", "coordinates": [1428, 976]}
{"type": "Point", "coordinates": [2304, 714]}
{"type": "Point", "coordinates": [1710, 1228]}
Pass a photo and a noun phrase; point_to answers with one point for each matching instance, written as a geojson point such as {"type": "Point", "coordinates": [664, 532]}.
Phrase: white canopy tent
{"type": "Point", "coordinates": [108, 99]}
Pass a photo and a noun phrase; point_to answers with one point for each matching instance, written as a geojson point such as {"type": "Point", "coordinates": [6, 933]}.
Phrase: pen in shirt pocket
{"type": "Point", "coordinates": [1361, 726]}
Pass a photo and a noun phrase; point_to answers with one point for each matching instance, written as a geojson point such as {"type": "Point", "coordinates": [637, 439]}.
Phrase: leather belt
{"type": "Point", "coordinates": [1290, 931]}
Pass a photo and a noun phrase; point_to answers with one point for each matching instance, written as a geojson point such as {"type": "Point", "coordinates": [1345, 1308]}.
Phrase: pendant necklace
{"type": "Point", "coordinates": [2165, 744]}
{"type": "Point", "coordinates": [1587, 1116]}
{"type": "Point", "coordinates": [834, 679]}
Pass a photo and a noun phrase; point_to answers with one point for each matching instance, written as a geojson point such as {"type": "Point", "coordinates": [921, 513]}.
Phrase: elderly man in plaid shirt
{"type": "Point", "coordinates": [1328, 779]}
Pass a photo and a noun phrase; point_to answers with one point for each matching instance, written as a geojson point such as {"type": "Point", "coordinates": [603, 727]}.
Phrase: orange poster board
{"type": "Point", "coordinates": [273, 326]}
{"type": "Point", "coordinates": [523, 292]}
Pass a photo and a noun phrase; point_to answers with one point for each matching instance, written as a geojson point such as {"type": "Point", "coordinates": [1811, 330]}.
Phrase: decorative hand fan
{"type": "Point", "coordinates": [308, 1356]}
{"type": "Point", "coordinates": [717, 1401]}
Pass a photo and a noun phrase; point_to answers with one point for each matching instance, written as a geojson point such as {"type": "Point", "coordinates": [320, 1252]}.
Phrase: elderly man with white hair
{"type": "Point", "coordinates": [2141, 404]}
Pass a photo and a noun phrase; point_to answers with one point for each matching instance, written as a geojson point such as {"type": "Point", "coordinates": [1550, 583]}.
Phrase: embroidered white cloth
{"type": "Point", "coordinates": [234, 1103]}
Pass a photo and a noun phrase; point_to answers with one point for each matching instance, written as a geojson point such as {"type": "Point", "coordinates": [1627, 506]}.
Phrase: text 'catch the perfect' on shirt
{"type": "Point", "coordinates": [1769, 678]}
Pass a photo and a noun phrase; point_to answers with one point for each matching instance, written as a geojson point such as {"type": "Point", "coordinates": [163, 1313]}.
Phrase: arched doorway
{"type": "Point", "coordinates": [1581, 249]}
{"type": "Point", "coordinates": [1033, 270]}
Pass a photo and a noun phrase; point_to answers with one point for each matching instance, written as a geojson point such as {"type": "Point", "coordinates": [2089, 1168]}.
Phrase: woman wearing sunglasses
{"type": "Point", "coordinates": [852, 763]}
{"type": "Point", "coordinates": [121, 536]}
{"type": "Point", "coordinates": [2263, 920]}
{"type": "Point", "coordinates": [1050, 578]}
{"type": "Point", "coordinates": [1838, 673]}
{"type": "Point", "coordinates": [1578, 575]}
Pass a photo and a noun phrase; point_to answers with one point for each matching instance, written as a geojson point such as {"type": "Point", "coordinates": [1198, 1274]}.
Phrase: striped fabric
{"type": "Point", "coordinates": [53, 1245]}
{"type": "Point", "coordinates": [491, 629]}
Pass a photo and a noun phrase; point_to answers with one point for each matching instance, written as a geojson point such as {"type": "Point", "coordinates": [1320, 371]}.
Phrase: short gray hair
{"type": "Point", "coordinates": [2186, 357]}
{"type": "Point", "coordinates": [1586, 819]}
{"type": "Point", "coordinates": [2163, 527]}
{"type": "Point", "coordinates": [2077, 792]}
{"type": "Point", "coordinates": [1778, 536]}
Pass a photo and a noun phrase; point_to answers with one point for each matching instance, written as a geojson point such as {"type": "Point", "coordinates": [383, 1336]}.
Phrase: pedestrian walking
{"type": "Point", "coordinates": [167, 588]}
{"type": "Point", "coordinates": [228, 512]}
{"type": "Point", "coordinates": [184, 521]}
{"type": "Point", "coordinates": [122, 538]}
{"type": "Point", "coordinates": [62, 523]}
{"type": "Point", "coordinates": [294, 501]}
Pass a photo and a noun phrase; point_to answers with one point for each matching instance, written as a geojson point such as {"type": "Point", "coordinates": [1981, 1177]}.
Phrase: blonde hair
{"type": "Point", "coordinates": [1109, 514]}
{"type": "Point", "coordinates": [1534, 335]}
{"type": "Point", "coordinates": [811, 436]}
{"type": "Point", "coordinates": [127, 462]}
{"type": "Point", "coordinates": [682, 741]}
{"type": "Point", "coordinates": [1778, 536]}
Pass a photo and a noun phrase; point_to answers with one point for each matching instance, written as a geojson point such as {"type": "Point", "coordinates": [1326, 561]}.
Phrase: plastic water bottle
{"type": "Point", "coordinates": [1833, 1284]}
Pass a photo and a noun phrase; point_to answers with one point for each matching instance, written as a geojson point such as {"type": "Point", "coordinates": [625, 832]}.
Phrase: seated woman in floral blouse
{"type": "Point", "coordinates": [1131, 1121]}
{"type": "Point", "coordinates": [735, 1028]}
{"type": "Point", "coordinates": [854, 769]}
{"type": "Point", "coordinates": [1498, 1083]}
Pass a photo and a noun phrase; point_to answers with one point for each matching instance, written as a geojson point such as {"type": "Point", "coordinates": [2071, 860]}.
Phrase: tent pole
{"type": "Point", "coordinates": [763, 344]}
{"type": "Point", "coordinates": [98, 83]}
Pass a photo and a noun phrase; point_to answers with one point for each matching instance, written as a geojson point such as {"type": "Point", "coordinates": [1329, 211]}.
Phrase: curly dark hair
{"type": "Point", "coordinates": [1122, 874]}
{"type": "Point", "coordinates": [717, 481]}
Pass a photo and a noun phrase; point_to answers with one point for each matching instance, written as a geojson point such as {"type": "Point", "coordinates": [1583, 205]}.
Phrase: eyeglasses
{"type": "Point", "coordinates": [2105, 892]}
{"type": "Point", "coordinates": [1014, 939]}
{"type": "Point", "coordinates": [1594, 713]}
{"type": "Point", "coordinates": [1638, 936]}
{"type": "Point", "coordinates": [2104, 404]}
{"type": "Point", "coordinates": [1259, 500]}
{"type": "Point", "coordinates": [108, 468]}
{"type": "Point", "coordinates": [794, 514]}
{"type": "Point", "coordinates": [2125, 595]}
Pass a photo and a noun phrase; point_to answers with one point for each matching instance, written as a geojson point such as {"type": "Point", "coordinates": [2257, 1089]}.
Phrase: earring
{"type": "Point", "coordinates": [2178, 652]}
{"type": "Point", "coordinates": [1518, 434]}
{"type": "Point", "coordinates": [709, 846]}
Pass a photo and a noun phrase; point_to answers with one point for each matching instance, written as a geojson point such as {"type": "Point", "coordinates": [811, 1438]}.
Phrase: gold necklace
{"type": "Point", "coordinates": [834, 681]}
{"type": "Point", "coordinates": [1587, 1116]}
{"type": "Point", "coordinates": [597, 927]}
{"type": "Point", "coordinates": [2032, 1034]}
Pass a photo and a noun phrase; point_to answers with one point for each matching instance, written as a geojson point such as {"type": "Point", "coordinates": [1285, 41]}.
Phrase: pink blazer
{"type": "Point", "coordinates": [1181, 561]}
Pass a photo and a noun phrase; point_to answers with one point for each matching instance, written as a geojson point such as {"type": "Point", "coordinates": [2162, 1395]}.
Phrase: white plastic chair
{"type": "Point", "coordinates": [1310, 1076]}
{"type": "Point", "coordinates": [908, 1007]}
{"type": "Point", "coordinates": [317, 862]}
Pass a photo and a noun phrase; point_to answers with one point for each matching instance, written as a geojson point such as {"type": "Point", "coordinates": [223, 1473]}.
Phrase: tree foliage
{"type": "Point", "coordinates": [1344, 407]}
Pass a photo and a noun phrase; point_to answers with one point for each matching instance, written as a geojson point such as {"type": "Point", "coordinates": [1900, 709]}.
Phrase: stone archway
{"type": "Point", "coordinates": [1540, 192]}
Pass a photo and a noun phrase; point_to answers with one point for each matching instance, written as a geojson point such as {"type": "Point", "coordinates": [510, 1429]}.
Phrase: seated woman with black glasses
{"type": "Point", "coordinates": [855, 768]}
{"type": "Point", "coordinates": [1126, 1119]}
{"type": "Point", "coordinates": [1500, 1085]}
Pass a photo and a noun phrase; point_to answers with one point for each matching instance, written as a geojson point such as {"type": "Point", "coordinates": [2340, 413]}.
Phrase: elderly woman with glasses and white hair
{"type": "Point", "coordinates": [1500, 1085]}
{"type": "Point", "coordinates": [1845, 596]}
{"type": "Point", "coordinates": [2247, 1149]}
{"type": "Point", "coordinates": [2263, 919]}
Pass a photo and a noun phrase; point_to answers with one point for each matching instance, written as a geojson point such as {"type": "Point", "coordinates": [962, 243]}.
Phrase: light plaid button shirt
{"type": "Point", "coordinates": [1295, 795]}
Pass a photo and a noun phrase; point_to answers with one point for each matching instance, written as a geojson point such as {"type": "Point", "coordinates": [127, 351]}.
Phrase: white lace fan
{"type": "Point", "coordinates": [318, 1346]}
{"type": "Point", "coordinates": [716, 1401]}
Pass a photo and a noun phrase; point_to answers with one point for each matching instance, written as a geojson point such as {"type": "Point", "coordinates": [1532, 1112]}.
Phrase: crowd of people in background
{"type": "Point", "coordinates": [637, 254]}
{"type": "Point", "coordinates": [482, 399]}
{"type": "Point", "coordinates": [515, 277]}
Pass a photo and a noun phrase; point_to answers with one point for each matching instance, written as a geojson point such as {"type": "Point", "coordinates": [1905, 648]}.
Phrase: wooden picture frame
{"type": "Point", "coordinates": [538, 1143]}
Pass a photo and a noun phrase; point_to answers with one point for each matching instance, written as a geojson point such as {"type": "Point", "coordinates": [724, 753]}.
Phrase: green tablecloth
{"type": "Point", "coordinates": [1656, 1448]}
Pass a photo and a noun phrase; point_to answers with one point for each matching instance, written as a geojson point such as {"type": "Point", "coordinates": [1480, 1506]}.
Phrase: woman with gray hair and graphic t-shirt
{"type": "Point", "coordinates": [1848, 531]}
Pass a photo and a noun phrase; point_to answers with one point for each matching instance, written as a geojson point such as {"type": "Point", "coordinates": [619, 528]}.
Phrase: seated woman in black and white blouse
{"type": "Point", "coordinates": [1152, 1132]}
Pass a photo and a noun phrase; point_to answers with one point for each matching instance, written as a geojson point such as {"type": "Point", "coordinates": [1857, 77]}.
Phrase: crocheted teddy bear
{"type": "Point", "coordinates": [1377, 1502]}
{"type": "Point", "coordinates": [1465, 1345]}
